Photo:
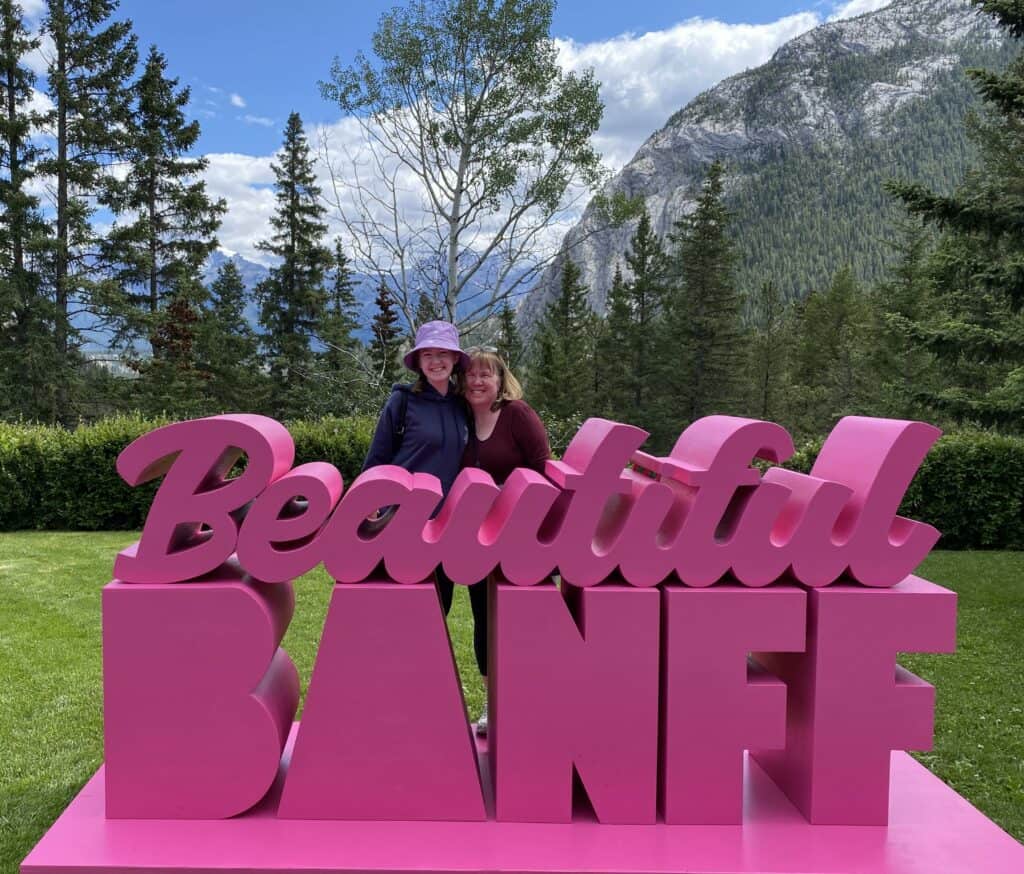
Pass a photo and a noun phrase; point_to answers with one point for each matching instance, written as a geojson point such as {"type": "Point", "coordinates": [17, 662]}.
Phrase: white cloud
{"type": "Point", "coordinates": [40, 102]}
{"type": "Point", "coordinates": [38, 59]}
{"type": "Point", "coordinates": [237, 100]}
{"type": "Point", "coordinates": [257, 119]}
{"type": "Point", "coordinates": [647, 77]}
{"type": "Point", "coordinates": [853, 8]}
{"type": "Point", "coordinates": [33, 9]}
{"type": "Point", "coordinates": [242, 181]}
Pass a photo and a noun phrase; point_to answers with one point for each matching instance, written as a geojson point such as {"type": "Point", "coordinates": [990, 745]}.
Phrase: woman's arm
{"type": "Point", "coordinates": [530, 436]}
{"type": "Point", "coordinates": [382, 447]}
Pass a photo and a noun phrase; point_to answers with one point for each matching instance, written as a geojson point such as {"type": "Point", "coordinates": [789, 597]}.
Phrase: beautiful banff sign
{"type": "Point", "coordinates": [634, 675]}
{"type": "Point", "coordinates": [710, 681]}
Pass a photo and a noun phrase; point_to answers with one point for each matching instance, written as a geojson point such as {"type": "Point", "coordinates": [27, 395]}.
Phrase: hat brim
{"type": "Point", "coordinates": [410, 357]}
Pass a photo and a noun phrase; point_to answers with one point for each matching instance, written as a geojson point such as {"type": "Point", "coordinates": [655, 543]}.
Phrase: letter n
{"type": "Point", "coordinates": [197, 697]}
{"type": "Point", "coordinates": [577, 695]}
{"type": "Point", "coordinates": [850, 704]}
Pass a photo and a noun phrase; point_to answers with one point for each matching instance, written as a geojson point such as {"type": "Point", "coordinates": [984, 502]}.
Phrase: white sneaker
{"type": "Point", "coordinates": [481, 723]}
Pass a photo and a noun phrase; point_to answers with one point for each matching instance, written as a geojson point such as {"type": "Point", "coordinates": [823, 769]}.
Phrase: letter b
{"type": "Point", "coordinates": [198, 698]}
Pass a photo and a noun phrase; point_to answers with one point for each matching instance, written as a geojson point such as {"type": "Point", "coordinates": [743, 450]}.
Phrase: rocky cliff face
{"type": "Point", "coordinates": [814, 132]}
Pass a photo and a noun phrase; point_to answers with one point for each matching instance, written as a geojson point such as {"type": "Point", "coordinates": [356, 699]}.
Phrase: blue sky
{"type": "Point", "coordinates": [249, 64]}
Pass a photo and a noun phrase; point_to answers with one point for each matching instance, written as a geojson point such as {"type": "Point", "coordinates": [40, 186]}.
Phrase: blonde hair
{"type": "Point", "coordinates": [509, 388]}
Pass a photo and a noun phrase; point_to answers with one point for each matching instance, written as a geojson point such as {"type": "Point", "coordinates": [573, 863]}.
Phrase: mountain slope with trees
{"type": "Point", "coordinates": [808, 140]}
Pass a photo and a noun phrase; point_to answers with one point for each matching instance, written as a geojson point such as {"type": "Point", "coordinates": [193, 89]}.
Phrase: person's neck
{"type": "Point", "coordinates": [439, 387]}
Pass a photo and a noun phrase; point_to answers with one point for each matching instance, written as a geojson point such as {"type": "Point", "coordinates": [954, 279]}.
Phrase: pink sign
{"type": "Point", "coordinates": [628, 690]}
{"type": "Point", "coordinates": [704, 515]}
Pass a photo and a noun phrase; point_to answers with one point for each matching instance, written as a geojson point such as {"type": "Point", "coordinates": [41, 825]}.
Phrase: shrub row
{"type": "Point", "coordinates": [55, 479]}
{"type": "Point", "coordinates": [971, 485]}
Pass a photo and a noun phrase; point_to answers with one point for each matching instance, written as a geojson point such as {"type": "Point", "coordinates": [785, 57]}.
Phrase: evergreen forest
{"type": "Point", "coordinates": [707, 320]}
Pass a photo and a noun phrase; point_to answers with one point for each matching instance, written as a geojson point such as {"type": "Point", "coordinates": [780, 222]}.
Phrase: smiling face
{"type": "Point", "coordinates": [437, 365]}
{"type": "Point", "coordinates": [483, 383]}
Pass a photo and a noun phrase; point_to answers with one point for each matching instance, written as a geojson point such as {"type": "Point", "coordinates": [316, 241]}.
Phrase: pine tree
{"type": "Point", "coordinates": [227, 348]}
{"type": "Point", "coordinates": [341, 365]}
{"type": "Point", "coordinates": [830, 374]}
{"type": "Point", "coordinates": [562, 374]}
{"type": "Point", "coordinates": [905, 372]}
{"type": "Point", "coordinates": [629, 352]}
{"type": "Point", "coordinates": [510, 342]}
{"type": "Point", "coordinates": [171, 232]}
{"type": "Point", "coordinates": [769, 341]}
{"type": "Point", "coordinates": [27, 353]}
{"type": "Point", "coordinates": [700, 346]}
{"type": "Point", "coordinates": [386, 341]}
{"type": "Point", "coordinates": [171, 382]}
{"type": "Point", "coordinates": [293, 297]}
{"type": "Point", "coordinates": [87, 81]}
{"type": "Point", "coordinates": [612, 350]}
{"type": "Point", "coordinates": [426, 311]}
{"type": "Point", "coordinates": [976, 326]}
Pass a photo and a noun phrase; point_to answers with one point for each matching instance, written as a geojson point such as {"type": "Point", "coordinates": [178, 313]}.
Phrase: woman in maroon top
{"type": "Point", "coordinates": [507, 434]}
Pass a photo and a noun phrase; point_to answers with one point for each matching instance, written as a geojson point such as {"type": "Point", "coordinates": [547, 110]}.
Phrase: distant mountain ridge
{"type": "Point", "coordinates": [808, 140]}
{"type": "Point", "coordinates": [253, 274]}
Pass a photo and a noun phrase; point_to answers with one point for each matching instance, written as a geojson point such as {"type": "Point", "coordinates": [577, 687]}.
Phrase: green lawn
{"type": "Point", "coordinates": [50, 698]}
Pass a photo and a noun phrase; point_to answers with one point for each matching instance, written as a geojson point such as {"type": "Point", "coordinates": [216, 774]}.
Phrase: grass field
{"type": "Point", "coordinates": [50, 694]}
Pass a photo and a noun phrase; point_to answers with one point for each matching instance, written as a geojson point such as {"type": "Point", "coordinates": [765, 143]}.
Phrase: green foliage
{"type": "Point", "coordinates": [160, 251]}
{"type": "Point", "coordinates": [509, 341]}
{"type": "Point", "coordinates": [56, 478]}
{"type": "Point", "coordinates": [970, 486]}
{"type": "Point", "coordinates": [829, 375]}
{"type": "Point", "coordinates": [627, 357]}
{"type": "Point", "coordinates": [293, 298]}
{"type": "Point", "coordinates": [701, 329]}
{"type": "Point", "coordinates": [53, 478]}
{"type": "Point", "coordinates": [975, 326]}
{"type": "Point", "coordinates": [768, 351]}
{"type": "Point", "coordinates": [800, 210]}
{"type": "Point", "coordinates": [562, 370]}
{"type": "Point", "coordinates": [87, 81]}
{"type": "Point", "coordinates": [468, 96]}
{"type": "Point", "coordinates": [385, 343]}
{"type": "Point", "coordinates": [27, 354]}
{"type": "Point", "coordinates": [227, 348]}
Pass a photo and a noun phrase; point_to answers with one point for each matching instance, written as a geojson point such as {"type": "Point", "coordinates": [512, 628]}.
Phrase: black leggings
{"type": "Point", "coordinates": [478, 603]}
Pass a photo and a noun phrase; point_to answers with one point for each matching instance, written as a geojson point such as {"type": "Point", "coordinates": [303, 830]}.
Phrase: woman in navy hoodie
{"type": "Point", "coordinates": [424, 426]}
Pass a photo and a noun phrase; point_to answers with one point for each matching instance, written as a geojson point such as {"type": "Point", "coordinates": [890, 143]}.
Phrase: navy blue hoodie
{"type": "Point", "coordinates": [436, 432]}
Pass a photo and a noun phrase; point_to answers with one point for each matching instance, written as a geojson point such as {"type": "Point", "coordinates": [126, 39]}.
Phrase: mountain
{"type": "Point", "coordinates": [253, 273]}
{"type": "Point", "coordinates": [808, 140]}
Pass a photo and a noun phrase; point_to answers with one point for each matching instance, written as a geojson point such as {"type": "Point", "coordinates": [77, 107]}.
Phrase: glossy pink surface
{"type": "Point", "coordinates": [575, 686]}
{"type": "Point", "coordinates": [194, 459]}
{"type": "Point", "coordinates": [849, 704]}
{"type": "Point", "coordinates": [197, 696]}
{"type": "Point", "coordinates": [699, 515]}
{"type": "Point", "coordinates": [715, 706]}
{"type": "Point", "coordinates": [384, 732]}
{"type": "Point", "coordinates": [932, 830]}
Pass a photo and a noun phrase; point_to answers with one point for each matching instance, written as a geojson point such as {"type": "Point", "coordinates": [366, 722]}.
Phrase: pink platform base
{"type": "Point", "coordinates": [931, 830]}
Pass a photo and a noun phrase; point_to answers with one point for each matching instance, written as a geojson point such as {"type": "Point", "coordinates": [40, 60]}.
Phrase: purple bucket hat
{"type": "Point", "coordinates": [436, 335]}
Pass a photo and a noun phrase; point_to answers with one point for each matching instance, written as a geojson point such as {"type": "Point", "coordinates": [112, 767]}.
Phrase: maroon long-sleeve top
{"type": "Point", "coordinates": [518, 440]}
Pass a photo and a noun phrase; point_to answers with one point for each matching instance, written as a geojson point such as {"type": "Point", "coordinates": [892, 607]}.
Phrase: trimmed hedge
{"type": "Point", "coordinates": [55, 479]}
{"type": "Point", "coordinates": [971, 485]}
